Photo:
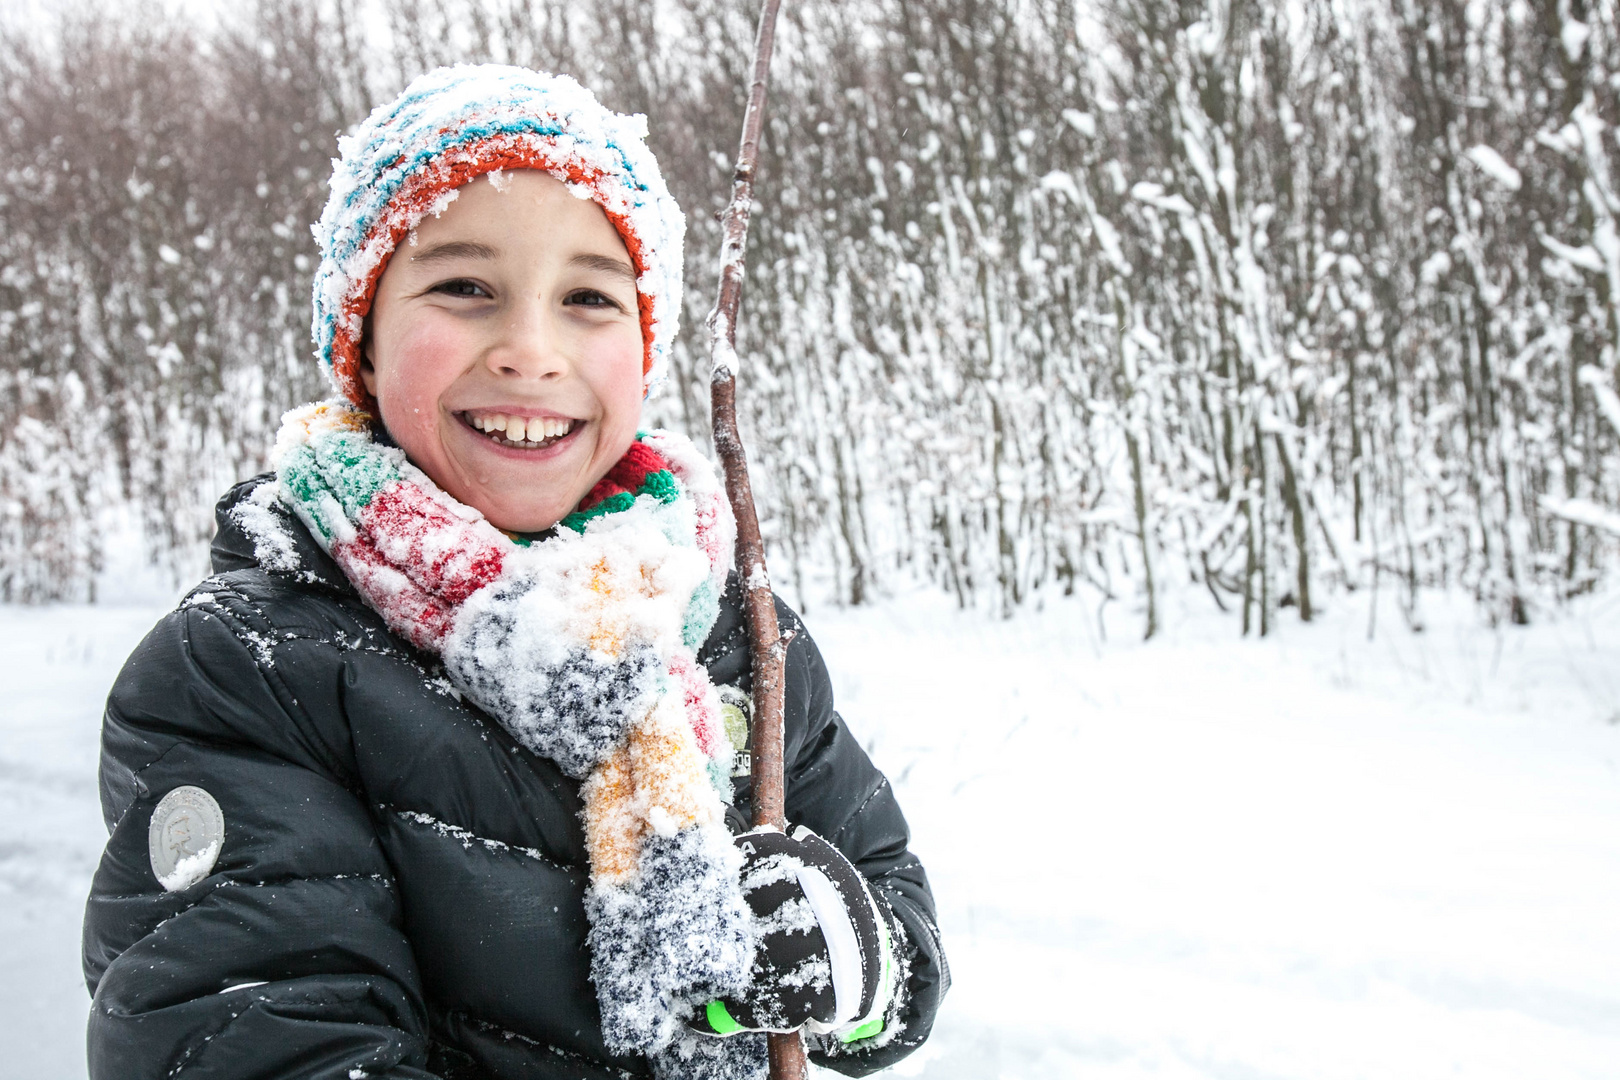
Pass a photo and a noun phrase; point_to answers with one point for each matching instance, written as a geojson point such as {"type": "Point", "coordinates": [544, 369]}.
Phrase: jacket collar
{"type": "Point", "coordinates": [234, 548]}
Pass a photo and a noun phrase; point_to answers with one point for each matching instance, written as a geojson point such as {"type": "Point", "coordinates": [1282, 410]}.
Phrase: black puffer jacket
{"type": "Point", "coordinates": [402, 880]}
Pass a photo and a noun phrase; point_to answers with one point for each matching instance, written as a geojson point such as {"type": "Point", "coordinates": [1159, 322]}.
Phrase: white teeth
{"type": "Point", "coordinates": [517, 429]}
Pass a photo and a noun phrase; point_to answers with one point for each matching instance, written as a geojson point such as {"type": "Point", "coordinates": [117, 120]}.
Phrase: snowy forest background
{"type": "Point", "coordinates": [1276, 299]}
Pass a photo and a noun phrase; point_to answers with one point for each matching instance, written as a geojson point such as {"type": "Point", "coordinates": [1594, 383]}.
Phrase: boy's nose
{"type": "Point", "coordinates": [529, 345]}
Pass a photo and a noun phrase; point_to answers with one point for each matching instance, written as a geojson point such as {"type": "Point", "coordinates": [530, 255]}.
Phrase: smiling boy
{"type": "Point", "coordinates": [505, 348]}
{"type": "Point", "coordinates": [443, 736]}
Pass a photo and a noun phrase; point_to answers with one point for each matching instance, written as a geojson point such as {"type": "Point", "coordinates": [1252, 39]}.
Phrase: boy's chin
{"type": "Point", "coordinates": [518, 517]}
{"type": "Point", "coordinates": [528, 491]}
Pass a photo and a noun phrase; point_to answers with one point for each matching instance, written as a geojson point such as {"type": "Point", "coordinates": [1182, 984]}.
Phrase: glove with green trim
{"type": "Point", "coordinates": [825, 961]}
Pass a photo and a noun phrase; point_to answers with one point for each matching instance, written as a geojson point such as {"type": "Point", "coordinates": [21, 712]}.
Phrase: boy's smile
{"type": "Point", "coordinates": [504, 348]}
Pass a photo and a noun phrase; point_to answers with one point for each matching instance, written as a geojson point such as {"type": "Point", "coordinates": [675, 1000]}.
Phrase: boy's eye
{"type": "Point", "coordinates": [590, 298]}
{"type": "Point", "coordinates": [460, 287]}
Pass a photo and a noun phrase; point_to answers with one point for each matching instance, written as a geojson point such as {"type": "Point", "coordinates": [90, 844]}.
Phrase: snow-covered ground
{"type": "Point", "coordinates": [1308, 857]}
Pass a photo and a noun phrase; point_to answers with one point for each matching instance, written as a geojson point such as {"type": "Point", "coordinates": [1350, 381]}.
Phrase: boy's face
{"type": "Point", "coordinates": [516, 306]}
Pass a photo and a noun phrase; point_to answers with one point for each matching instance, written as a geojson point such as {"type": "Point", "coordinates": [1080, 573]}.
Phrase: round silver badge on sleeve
{"type": "Point", "coordinates": [185, 837]}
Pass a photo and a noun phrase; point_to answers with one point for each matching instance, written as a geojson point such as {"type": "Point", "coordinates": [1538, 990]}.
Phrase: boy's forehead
{"type": "Point", "coordinates": [483, 221]}
{"type": "Point", "coordinates": [481, 231]}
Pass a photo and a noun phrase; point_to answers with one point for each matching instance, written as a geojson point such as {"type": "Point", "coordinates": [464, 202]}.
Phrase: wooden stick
{"type": "Point", "coordinates": [767, 646]}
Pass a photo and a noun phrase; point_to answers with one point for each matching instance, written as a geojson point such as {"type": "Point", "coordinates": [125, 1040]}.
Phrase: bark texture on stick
{"type": "Point", "coordinates": [767, 647]}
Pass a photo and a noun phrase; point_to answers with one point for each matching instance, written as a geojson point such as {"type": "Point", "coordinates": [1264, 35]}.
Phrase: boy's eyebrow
{"type": "Point", "coordinates": [455, 249]}
{"type": "Point", "coordinates": [605, 264]}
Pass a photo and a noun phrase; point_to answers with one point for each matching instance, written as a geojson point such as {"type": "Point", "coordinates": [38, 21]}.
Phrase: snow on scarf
{"type": "Point", "coordinates": [583, 646]}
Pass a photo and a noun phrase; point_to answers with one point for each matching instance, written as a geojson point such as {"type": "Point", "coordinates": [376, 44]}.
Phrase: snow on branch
{"type": "Point", "coordinates": [1584, 257]}
{"type": "Point", "coordinates": [1493, 165]}
{"type": "Point", "coordinates": [1602, 389]}
{"type": "Point", "coordinates": [1582, 512]}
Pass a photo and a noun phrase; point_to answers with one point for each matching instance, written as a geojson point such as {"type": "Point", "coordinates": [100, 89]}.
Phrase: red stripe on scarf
{"type": "Point", "coordinates": [445, 555]}
{"type": "Point", "coordinates": [407, 608]}
{"type": "Point", "coordinates": [627, 475]}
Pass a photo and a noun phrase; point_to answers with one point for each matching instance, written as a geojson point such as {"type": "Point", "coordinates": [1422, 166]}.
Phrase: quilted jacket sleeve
{"type": "Point", "coordinates": [288, 959]}
{"type": "Point", "coordinates": [834, 789]}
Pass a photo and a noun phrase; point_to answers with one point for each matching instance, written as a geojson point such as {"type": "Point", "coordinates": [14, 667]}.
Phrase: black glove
{"type": "Point", "coordinates": [825, 961]}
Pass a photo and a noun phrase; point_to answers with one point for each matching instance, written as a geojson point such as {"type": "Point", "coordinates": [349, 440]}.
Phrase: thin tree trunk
{"type": "Point", "coordinates": [1296, 509]}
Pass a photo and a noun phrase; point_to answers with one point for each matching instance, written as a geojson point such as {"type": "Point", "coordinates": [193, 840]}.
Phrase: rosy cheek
{"type": "Point", "coordinates": [412, 380]}
{"type": "Point", "coordinates": [626, 389]}
{"type": "Point", "coordinates": [621, 398]}
{"type": "Point", "coordinates": [622, 384]}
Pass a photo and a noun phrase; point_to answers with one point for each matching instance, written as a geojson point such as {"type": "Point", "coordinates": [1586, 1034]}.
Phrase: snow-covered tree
{"type": "Point", "coordinates": [1282, 301]}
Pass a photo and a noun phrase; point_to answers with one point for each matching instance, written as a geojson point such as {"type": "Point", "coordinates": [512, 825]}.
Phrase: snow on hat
{"type": "Point", "coordinates": [453, 125]}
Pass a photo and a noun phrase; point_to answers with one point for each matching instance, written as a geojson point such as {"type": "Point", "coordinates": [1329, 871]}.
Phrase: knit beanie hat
{"type": "Point", "coordinates": [453, 125]}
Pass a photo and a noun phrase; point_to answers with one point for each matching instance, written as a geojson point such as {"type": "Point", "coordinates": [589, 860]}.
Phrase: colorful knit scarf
{"type": "Point", "coordinates": [583, 647]}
